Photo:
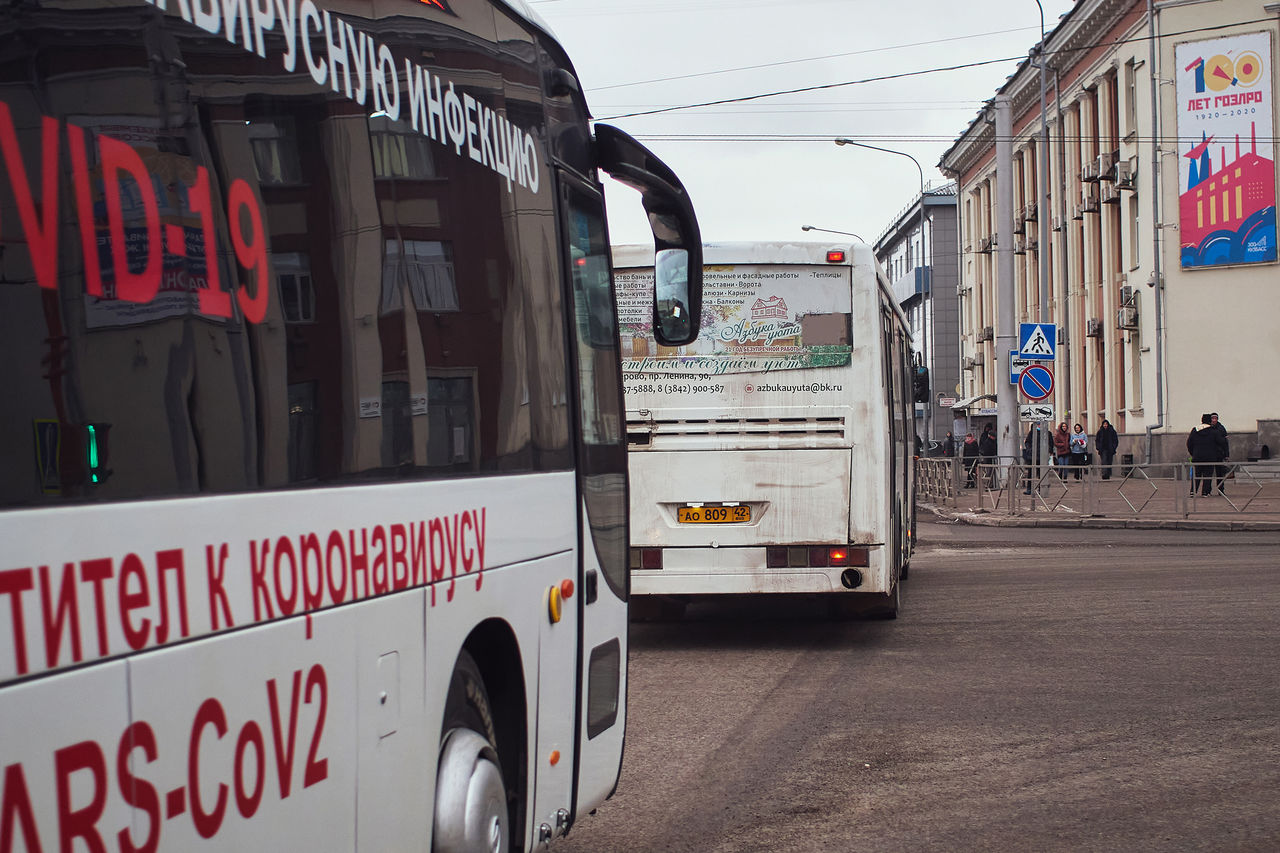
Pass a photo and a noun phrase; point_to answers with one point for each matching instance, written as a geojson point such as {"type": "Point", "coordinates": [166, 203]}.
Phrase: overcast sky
{"type": "Point", "coordinates": [632, 56]}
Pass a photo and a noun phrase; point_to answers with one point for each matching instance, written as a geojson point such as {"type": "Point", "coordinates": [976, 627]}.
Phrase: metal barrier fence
{"type": "Point", "coordinates": [1170, 490]}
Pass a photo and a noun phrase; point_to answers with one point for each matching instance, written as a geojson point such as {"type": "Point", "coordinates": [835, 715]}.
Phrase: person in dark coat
{"type": "Point", "coordinates": [970, 455]}
{"type": "Point", "coordinates": [1226, 454]}
{"type": "Point", "coordinates": [949, 445]}
{"type": "Point", "coordinates": [1107, 442]}
{"type": "Point", "coordinates": [1031, 454]}
{"type": "Point", "coordinates": [1207, 447]}
{"type": "Point", "coordinates": [987, 450]}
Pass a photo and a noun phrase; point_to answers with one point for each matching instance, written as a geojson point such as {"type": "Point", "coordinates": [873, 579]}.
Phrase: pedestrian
{"type": "Point", "coordinates": [987, 450]}
{"type": "Point", "coordinates": [1208, 447]}
{"type": "Point", "coordinates": [1031, 454]}
{"type": "Point", "coordinates": [1107, 442]}
{"type": "Point", "coordinates": [949, 445]}
{"type": "Point", "coordinates": [1079, 445]}
{"type": "Point", "coordinates": [1226, 450]}
{"type": "Point", "coordinates": [970, 455]}
{"type": "Point", "coordinates": [1062, 448]}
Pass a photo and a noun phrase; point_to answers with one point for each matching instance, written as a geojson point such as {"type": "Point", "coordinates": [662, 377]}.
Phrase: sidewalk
{"type": "Point", "coordinates": [1110, 504]}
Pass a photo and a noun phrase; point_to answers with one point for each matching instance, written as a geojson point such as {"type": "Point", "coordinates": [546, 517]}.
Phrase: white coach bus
{"type": "Point", "coordinates": [774, 454]}
{"type": "Point", "coordinates": [312, 461]}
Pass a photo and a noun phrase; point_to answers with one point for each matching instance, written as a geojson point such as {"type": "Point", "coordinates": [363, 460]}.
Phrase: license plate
{"type": "Point", "coordinates": [713, 514]}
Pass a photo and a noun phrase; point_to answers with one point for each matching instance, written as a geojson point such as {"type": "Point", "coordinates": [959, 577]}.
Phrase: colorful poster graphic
{"type": "Point", "coordinates": [1226, 167]}
{"type": "Point", "coordinates": [755, 319]}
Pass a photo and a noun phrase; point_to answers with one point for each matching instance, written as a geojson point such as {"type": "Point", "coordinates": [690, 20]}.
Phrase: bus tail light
{"type": "Point", "coordinates": [816, 556]}
{"type": "Point", "coordinates": [646, 558]}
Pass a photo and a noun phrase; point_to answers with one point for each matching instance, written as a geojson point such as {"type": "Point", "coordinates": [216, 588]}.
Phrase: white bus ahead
{"type": "Point", "coordinates": [775, 452]}
{"type": "Point", "coordinates": [312, 463]}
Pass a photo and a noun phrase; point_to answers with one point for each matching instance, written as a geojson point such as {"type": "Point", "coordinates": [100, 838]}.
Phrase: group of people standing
{"type": "Point", "coordinates": [1209, 448]}
{"type": "Point", "coordinates": [1207, 445]}
{"type": "Point", "coordinates": [1072, 448]}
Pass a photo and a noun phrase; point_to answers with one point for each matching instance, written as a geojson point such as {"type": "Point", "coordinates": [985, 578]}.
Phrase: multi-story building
{"type": "Point", "coordinates": [920, 259]}
{"type": "Point", "coordinates": [1158, 223]}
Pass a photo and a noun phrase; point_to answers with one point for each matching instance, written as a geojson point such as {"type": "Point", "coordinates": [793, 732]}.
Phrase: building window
{"type": "Point", "coordinates": [1134, 254]}
{"type": "Point", "coordinates": [274, 142]}
{"type": "Point", "coordinates": [426, 266]}
{"type": "Point", "coordinates": [297, 296]}
{"type": "Point", "coordinates": [399, 152]}
{"type": "Point", "coordinates": [1130, 97]}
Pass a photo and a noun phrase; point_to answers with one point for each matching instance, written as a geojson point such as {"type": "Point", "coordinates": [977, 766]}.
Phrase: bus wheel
{"type": "Point", "coordinates": [471, 798]}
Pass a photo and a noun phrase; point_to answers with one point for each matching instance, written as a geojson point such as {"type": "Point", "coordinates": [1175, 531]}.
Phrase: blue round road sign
{"type": "Point", "coordinates": [1036, 382]}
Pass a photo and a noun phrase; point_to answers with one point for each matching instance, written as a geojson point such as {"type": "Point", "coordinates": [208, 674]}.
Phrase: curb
{"type": "Point", "coordinates": [998, 519]}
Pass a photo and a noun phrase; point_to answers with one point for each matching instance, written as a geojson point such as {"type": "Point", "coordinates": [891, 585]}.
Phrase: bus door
{"type": "Point", "coordinates": [602, 482]}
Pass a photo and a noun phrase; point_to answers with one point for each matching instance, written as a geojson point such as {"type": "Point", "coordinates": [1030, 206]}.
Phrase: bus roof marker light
{"type": "Point", "coordinates": [835, 256]}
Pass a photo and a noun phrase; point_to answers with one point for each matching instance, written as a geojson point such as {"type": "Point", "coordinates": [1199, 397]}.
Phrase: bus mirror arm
{"type": "Point", "coordinates": [677, 304]}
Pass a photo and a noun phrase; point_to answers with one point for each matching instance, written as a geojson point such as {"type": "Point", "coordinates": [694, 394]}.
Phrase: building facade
{"type": "Point", "coordinates": [927, 291]}
{"type": "Point", "coordinates": [1157, 226]}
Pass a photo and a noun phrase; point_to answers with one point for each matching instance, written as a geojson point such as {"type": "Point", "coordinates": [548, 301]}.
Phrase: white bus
{"type": "Point", "coordinates": [312, 461]}
{"type": "Point", "coordinates": [774, 454]}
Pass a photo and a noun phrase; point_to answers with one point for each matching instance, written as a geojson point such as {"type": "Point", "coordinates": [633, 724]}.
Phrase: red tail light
{"type": "Point", "coordinates": [835, 256]}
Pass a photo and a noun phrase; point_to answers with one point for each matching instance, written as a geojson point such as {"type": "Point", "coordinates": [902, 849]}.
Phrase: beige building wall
{"type": "Point", "coordinates": [1143, 342]}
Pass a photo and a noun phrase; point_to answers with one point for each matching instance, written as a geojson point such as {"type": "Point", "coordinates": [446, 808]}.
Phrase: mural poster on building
{"type": "Point", "coordinates": [1226, 167]}
{"type": "Point", "coordinates": [755, 319]}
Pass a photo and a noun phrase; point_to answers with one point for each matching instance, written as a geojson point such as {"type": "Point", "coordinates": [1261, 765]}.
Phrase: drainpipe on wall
{"type": "Point", "coordinates": [1063, 312]}
{"type": "Point", "coordinates": [1157, 278]}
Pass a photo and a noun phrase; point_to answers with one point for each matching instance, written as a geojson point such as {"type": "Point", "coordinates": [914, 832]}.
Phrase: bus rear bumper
{"type": "Point", "coordinates": [733, 571]}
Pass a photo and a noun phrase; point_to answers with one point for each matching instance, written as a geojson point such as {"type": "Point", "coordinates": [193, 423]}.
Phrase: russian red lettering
{"type": "Point", "coordinates": [171, 560]}
{"type": "Point", "coordinates": [310, 548]}
{"type": "Point", "coordinates": [380, 560]}
{"type": "Point", "coordinates": [13, 583]}
{"type": "Point", "coordinates": [17, 804]}
{"type": "Point", "coordinates": [418, 552]}
{"type": "Point", "coordinates": [120, 157]}
{"type": "Point", "coordinates": [480, 521]}
{"type": "Point", "coordinates": [250, 735]}
{"type": "Point", "coordinates": [95, 572]}
{"type": "Point", "coordinates": [468, 554]}
{"type": "Point", "coordinates": [258, 578]}
{"type": "Point", "coordinates": [131, 567]}
{"type": "Point", "coordinates": [454, 541]}
{"type": "Point", "coordinates": [84, 211]}
{"type": "Point", "coordinates": [210, 713]}
{"type": "Point", "coordinates": [359, 561]}
{"type": "Point", "coordinates": [252, 253]}
{"type": "Point", "coordinates": [67, 614]}
{"type": "Point", "coordinates": [83, 822]}
{"type": "Point", "coordinates": [399, 557]}
{"type": "Point", "coordinates": [42, 239]}
{"type": "Point", "coordinates": [138, 793]}
{"type": "Point", "coordinates": [337, 592]}
{"type": "Point", "coordinates": [284, 745]}
{"type": "Point", "coordinates": [287, 605]}
{"type": "Point", "coordinates": [219, 604]}
{"type": "Point", "coordinates": [317, 769]}
{"type": "Point", "coordinates": [436, 549]}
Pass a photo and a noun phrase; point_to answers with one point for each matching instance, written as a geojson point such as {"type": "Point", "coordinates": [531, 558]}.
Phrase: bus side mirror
{"type": "Point", "coordinates": [677, 242]}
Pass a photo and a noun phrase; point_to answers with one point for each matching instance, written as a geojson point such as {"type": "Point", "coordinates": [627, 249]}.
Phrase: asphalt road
{"type": "Point", "coordinates": [1042, 690]}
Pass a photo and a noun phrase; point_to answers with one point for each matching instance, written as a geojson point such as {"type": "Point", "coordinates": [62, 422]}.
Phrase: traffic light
{"type": "Point", "coordinates": [920, 385]}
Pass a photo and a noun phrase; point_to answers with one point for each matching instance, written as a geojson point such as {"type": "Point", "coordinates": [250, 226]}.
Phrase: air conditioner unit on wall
{"type": "Point", "coordinates": [986, 333]}
{"type": "Point", "coordinates": [1128, 296]}
{"type": "Point", "coordinates": [1029, 212]}
{"type": "Point", "coordinates": [1089, 171]}
{"type": "Point", "coordinates": [1093, 328]}
{"type": "Point", "coordinates": [1110, 194]}
{"type": "Point", "coordinates": [1127, 317]}
{"type": "Point", "coordinates": [1125, 175]}
{"type": "Point", "coordinates": [1106, 166]}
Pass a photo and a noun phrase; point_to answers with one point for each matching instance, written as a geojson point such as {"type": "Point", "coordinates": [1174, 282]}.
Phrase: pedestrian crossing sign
{"type": "Point", "coordinates": [1037, 341]}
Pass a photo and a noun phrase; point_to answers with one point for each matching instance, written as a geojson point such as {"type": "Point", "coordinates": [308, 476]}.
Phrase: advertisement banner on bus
{"type": "Point", "coordinates": [755, 319]}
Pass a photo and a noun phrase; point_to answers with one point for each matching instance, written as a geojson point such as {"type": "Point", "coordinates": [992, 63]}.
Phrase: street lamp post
{"type": "Point", "coordinates": [925, 275]}
{"type": "Point", "coordinates": [831, 231]}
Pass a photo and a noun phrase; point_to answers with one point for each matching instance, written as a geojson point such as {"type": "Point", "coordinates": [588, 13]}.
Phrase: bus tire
{"type": "Point", "coordinates": [471, 812]}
